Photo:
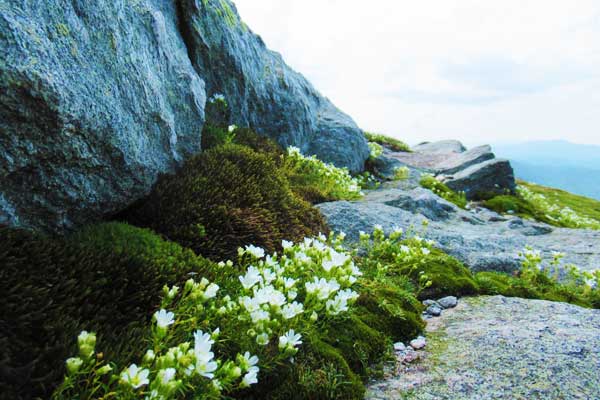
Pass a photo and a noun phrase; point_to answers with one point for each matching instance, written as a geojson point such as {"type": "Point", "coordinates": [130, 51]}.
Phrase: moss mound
{"type": "Point", "coordinates": [53, 289]}
{"type": "Point", "coordinates": [224, 198]}
{"type": "Point", "coordinates": [391, 143]}
{"type": "Point", "coordinates": [539, 287]}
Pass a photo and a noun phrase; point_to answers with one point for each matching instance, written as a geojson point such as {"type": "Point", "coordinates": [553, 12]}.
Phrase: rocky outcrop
{"type": "Point", "coordinates": [502, 348]}
{"type": "Point", "coordinates": [494, 176]}
{"type": "Point", "coordinates": [99, 98]}
{"type": "Point", "coordinates": [465, 159]}
{"type": "Point", "coordinates": [480, 238]}
{"type": "Point", "coordinates": [262, 91]}
{"type": "Point", "coordinates": [477, 171]}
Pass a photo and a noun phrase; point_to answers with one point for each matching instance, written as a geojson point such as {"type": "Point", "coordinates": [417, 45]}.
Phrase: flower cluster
{"type": "Point", "coordinates": [217, 97]}
{"type": "Point", "coordinates": [532, 263]}
{"type": "Point", "coordinates": [398, 248]}
{"type": "Point", "coordinates": [376, 149]}
{"type": "Point", "coordinates": [564, 216]}
{"type": "Point", "coordinates": [337, 181]}
{"type": "Point", "coordinates": [275, 298]}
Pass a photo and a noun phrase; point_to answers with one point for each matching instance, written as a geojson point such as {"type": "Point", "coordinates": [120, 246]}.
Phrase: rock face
{"type": "Point", "coordinates": [482, 239]}
{"type": "Point", "coordinates": [98, 98]}
{"type": "Point", "coordinates": [491, 176]}
{"type": "Point", "coordinates": [262, 91]}
{"type": "Point", "coordinates": [503, 348]}
{"type": "Point", "coordinates": [477, 171]}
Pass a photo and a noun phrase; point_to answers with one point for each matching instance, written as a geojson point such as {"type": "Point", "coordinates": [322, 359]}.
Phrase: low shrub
{"type": "Point", "coordinates": [225, 198]}
{"type": "Point", "coordinates": [437, 187]}
{"type": "Point", "coordinates": [52, 289]}
{"type": "Point", "coordinates": [391, 143]}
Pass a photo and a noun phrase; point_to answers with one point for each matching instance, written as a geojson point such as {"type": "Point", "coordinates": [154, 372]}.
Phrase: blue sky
{"type": "Point", "coordinates": [478, 71]}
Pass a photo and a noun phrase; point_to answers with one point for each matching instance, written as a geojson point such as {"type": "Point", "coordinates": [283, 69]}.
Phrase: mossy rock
{"type": "Point", "coordinates": [225, 198]}
{"type": "Point", "coordinates": [53, 289]}
{"type": "Point", "coordinates": [448, 276]}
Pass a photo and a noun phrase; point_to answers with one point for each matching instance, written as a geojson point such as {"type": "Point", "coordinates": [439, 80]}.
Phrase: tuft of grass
{"type": "Point", "coordinates": [389, 142]}
{"type": "Point", "coordinates": [437, 187]}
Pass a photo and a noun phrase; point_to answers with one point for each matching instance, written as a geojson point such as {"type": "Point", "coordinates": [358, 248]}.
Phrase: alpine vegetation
{"type": "Point", "coordinates": [209, 341]}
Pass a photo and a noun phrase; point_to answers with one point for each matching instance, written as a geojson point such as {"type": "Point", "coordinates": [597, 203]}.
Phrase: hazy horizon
{"type": "Point", "coordinates": [479, 73]}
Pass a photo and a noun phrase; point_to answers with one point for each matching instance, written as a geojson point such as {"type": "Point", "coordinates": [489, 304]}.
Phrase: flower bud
{"type": "Point", "coordinates": [104, 370]}
{"type": "Point", "coordinates": [149, 356]}
{"type": "Point", "coordinates": [73, 365]}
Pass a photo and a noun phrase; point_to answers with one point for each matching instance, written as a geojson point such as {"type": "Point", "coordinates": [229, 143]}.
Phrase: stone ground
{"type": "Point", "coordinates": [480, 238]}
{"type": "Point", "coordinates": [502, 348]}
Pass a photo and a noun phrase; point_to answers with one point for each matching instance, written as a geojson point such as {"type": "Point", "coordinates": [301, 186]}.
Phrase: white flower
{"type": "Point", "coordinates": [288, 283]}
{"type": "Point", "coordinates": [269, 275]}
{"type": "Point", "coordinates": [251, 377]}
{"type": "Point", "coordinates": [231, 128]}
{"type": "Point", "coordinates": [302, 257]}
{"type": "Point", "coordinates": [262, 339]}
{"type": "Point", "coordinates": [321, 287]}
{"type": "Point", "coordinates": [256, 252]}
{"type": "Point", "coordinates": [290, 340]}
{"type": "Point", "coordinates": [211, 291]}
{"type": "Point", "coordinates": [425, 251]}
{"type": "Point", "coordinates": [286, 245]}
{"type": "Point", "coordinates": [378, 227]}
{"type": "Point", "coordinates": [251, 278]}
{"type": "Point", "coordinates": [335, 260]}
{"type": "Point", "coordinates": [291, 295]}
{"type": "Point", "coordinates": [135, 377]}
{"type": "Point", "coordinates": [205, 366]}
{"type": "Point", "coordinates": [398, 230]}
{"type": "Point", "coordinates": [248, 361]}
{"type": "Point", "coordinates": [250, 303]}
{"type": "Point", "coordinates": [166, 375]}
{"type": "Point", "coordinates": [260, 315]}
{"type": "Point", "coordinates": [404, 249]}
{"type": "Point", "coordinates": [269, 294]}
{"type": "Point", "coordinates": [289, 311]}
{"type": "Point", "coordinates": [342, 235]}
{"type": "Point", "coordinates": [164, 318]}
{"type": "Point", "coordinates": [202, 343]}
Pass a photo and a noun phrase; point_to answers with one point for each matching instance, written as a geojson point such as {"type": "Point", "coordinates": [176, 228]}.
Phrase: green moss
{"type": "Point", "coordinates": [391, 143]}
{"type": "Point", "coordinates": [448, 276]}
{"type": "Point", "coordinates": [238, 197]}
{"type": "Point", "coordinates": [539, 287]}
{"type": "Point", "coordinates": [437, 187]}
{"type": "Point", "coordinates": [52, 289]}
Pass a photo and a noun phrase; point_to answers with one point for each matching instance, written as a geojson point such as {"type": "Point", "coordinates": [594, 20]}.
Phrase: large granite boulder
{"type": "Point", "coordinates": [490, 177]}
{"type": "Point", "coordinates": [100, 97]}
{"type": "Point", "coordinates": [262, 91]}
{"type": "Point", "coordinates": [97, 98]}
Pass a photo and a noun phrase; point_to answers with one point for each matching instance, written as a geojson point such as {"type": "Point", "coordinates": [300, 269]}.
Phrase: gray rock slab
{"type": "Point", "coordinates": [491, 176]}
{"type": "Point", "coordinates": [479, 243]}
{"type": "Point", "coordinates": [503, 348]}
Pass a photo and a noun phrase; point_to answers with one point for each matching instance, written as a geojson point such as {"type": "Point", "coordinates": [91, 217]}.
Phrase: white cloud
{"type": "Point", "coordinates": [473, 70]}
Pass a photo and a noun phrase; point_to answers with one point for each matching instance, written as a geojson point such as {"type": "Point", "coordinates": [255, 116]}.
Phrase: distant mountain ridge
{"type": "Point", "coordinates": [556, 163]}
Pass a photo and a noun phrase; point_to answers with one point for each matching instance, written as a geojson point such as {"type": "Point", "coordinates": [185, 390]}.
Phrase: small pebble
{"type": "Point", "coordinates": [448, 302]}
{"type": "Point", "coordinates": [410, 356]}
{"type": "Point", "coordinates": [399, 346]}
{"type": "Point", "coordinates": [418, 343]}
{"type": "Point", "coordinates": [434, 310]}
{"type": "Point", "coordinates": [428, 303]}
